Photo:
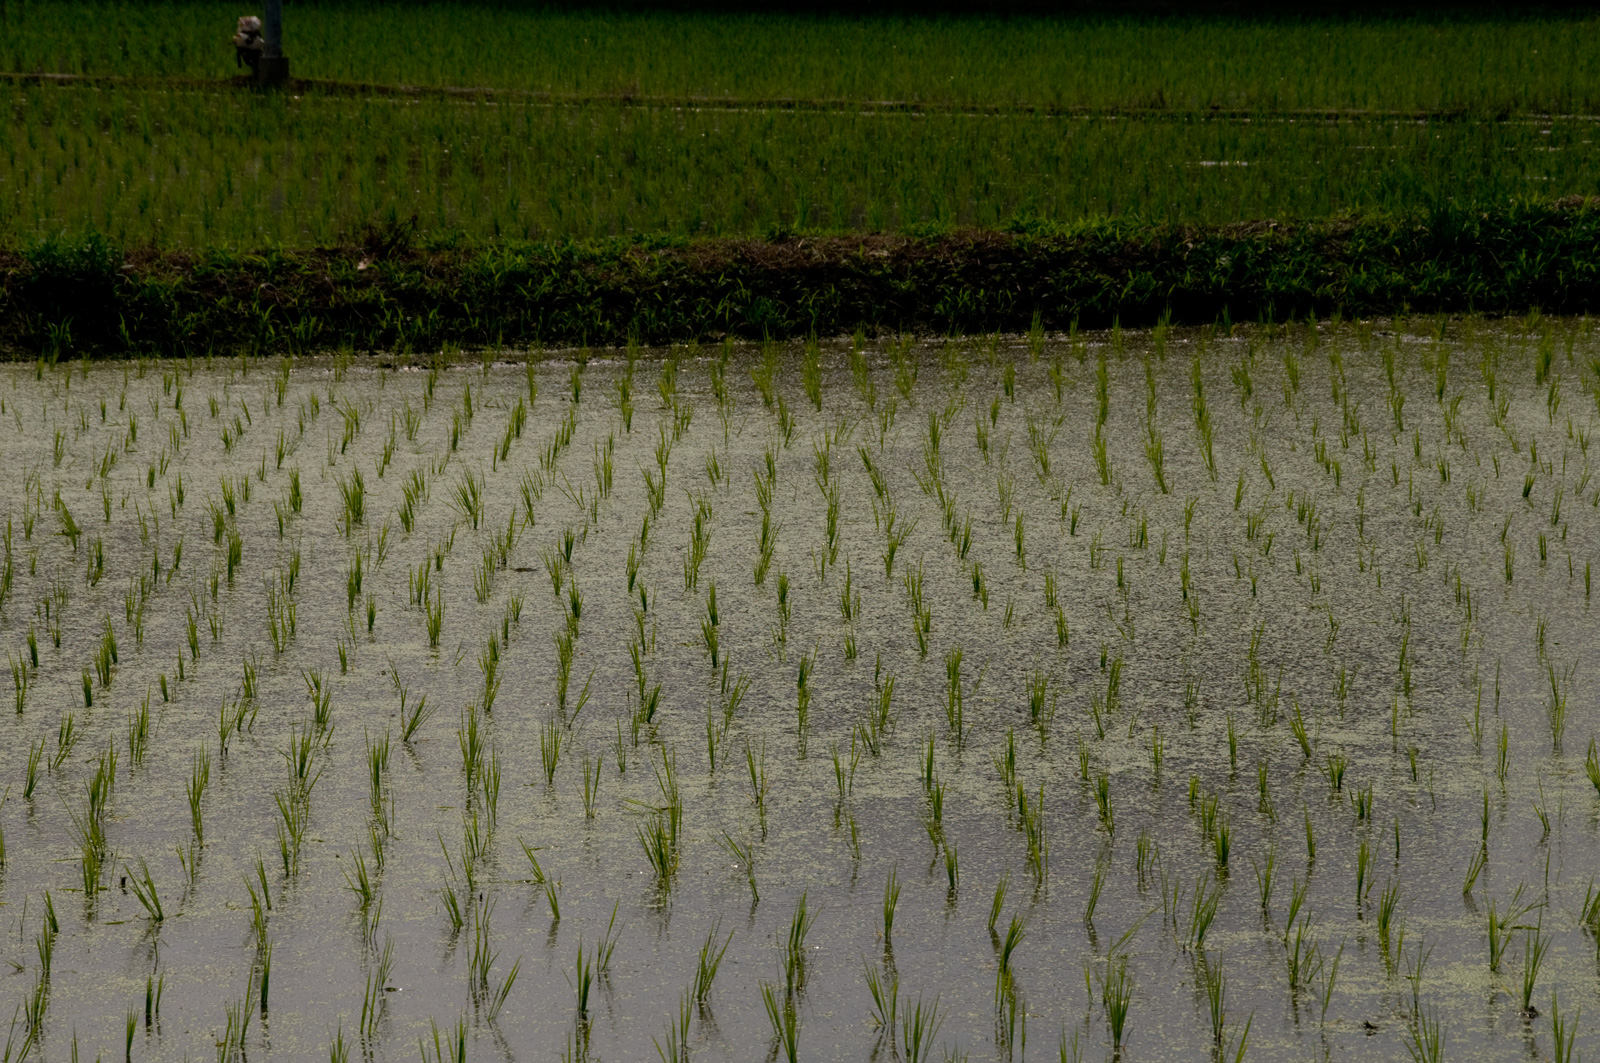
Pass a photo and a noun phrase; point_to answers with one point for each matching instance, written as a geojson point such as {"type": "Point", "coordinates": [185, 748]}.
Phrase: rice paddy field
{"type": "Point", "coordinates": [590, 126]}
{"type": "Point", "coordinates": [1144, 695]}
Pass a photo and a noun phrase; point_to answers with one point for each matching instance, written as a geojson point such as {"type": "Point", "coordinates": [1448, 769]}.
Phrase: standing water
{"type": "Point", "coordinates": [1178, 692]}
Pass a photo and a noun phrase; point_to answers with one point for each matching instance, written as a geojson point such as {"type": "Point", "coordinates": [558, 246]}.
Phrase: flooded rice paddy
{"type": "Point", "coordinates": [1183, 693]}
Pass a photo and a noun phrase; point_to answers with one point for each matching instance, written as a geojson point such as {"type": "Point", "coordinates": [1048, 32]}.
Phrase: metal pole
{"type": "Point", "coordinates": [274, 66]}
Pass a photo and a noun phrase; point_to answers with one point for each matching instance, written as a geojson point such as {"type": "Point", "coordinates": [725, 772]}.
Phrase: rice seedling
{"type": "Point", "coordinates": [1102, 796]}
{"type": "Point", "coordinates": [1535, 946]}
{"type": "Point", "coordinates": [660, 849]}
{"type": "Point", "coordinates": [743, 854]}
{"type": "Point", "coordinates": [144, 889]}
{"type": "Point", "coordinates": [1562, 1032]}
{"type": "Point", "coordinates": [710, 959]}
{"type": "Point", "coordinates": [67, 735]}
{"type": "Point", "coordinates": [1215, 986]}
{"type": "Point", "coordinates": [1202, 912]}
{"type": "Point", "coordinates": [676, 1049]}
{"type": "Point", "coordinates": [794, 947]}
{"type": "Point", "coordinates": [452, 1048]}
{"type": "Point", "coordinates": [435, 618]}
{"type": "Point", "coordinates": [1334, 770]}
{"type": "Point", "coordinates": [1116, 989]}
{"type": "Point", "coordinates": [1503, 924]}
{"type": "Point", "coordinates": [785, 1021]}
{"type": "Point", "coordinates": [199, 779]}
{"type": "Point", "coordinates": [31, 779]}
{"type": "Point", "coordinates": [884, 991]}
{"type": "Point", "coordinates": [1096, 885]}
{"type": "Point", "coordinates": [919, 1028]}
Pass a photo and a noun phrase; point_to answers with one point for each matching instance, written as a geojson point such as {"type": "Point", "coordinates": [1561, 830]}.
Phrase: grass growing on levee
{"type": "Point", "coordinates": [394, 291]}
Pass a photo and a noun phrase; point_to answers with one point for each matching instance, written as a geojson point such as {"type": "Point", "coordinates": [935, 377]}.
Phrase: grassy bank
{"type": "Point", "coordinates": [396, 291]}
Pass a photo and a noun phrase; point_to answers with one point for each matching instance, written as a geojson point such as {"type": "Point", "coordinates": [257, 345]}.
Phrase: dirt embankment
{"type": "Point", "coordinates": [387, 291]}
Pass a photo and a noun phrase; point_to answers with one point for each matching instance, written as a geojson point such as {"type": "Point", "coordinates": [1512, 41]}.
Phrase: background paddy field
{"type": "Point", "coordinates": [683, 124]}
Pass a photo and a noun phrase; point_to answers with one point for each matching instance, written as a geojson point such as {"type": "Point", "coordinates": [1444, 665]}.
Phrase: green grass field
{"type": "Point", "coordinates": [676, 124]}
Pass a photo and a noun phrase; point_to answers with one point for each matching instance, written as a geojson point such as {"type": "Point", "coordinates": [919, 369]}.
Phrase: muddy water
{"type": "Point", "coordinates": [1335, 559]}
